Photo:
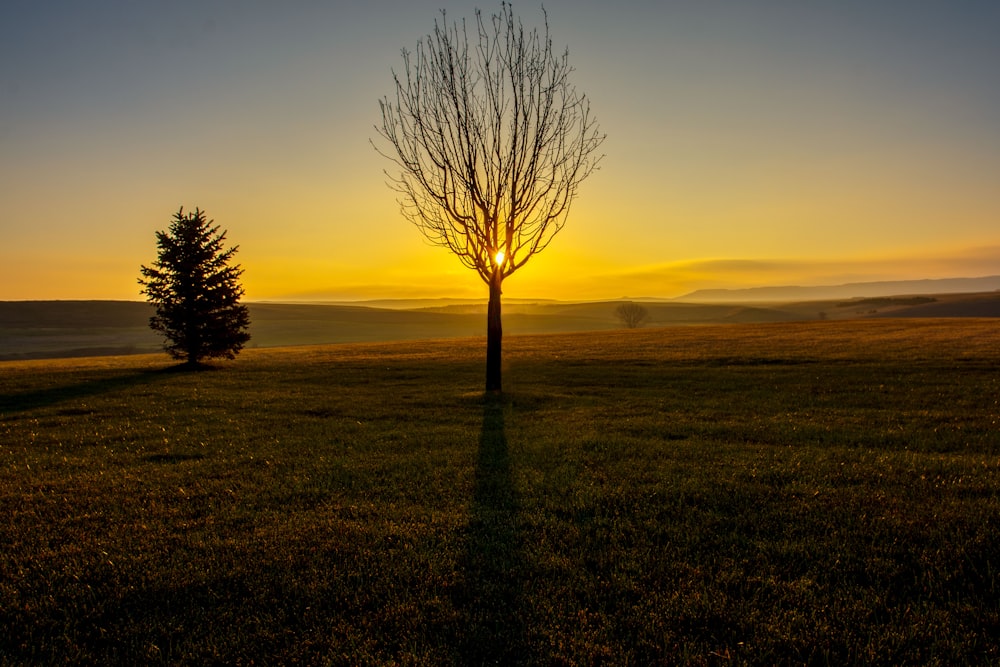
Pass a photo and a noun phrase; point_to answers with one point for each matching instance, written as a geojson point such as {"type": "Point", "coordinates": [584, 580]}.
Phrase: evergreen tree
{"type": "Point", "coordinates": [195, 290]}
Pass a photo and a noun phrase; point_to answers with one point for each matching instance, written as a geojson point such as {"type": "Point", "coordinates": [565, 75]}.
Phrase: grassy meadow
{"type": "Point", "coordinates": [795, 493]}
{"type": "Point", "coordinates": [61, 329]}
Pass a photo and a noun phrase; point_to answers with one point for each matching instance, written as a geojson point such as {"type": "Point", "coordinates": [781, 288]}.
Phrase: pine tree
{"type": "Point", "coordinates": [196, 292]}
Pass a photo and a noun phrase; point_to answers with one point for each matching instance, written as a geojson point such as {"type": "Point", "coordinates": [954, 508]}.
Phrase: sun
{"type": "Point", "coordinates": [499, 257]}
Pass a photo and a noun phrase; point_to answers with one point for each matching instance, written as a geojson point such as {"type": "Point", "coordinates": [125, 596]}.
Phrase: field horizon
{"type": "Point", "coordinates": [55, 329]}
{"type": "Point", "coordinates": [782, 494]}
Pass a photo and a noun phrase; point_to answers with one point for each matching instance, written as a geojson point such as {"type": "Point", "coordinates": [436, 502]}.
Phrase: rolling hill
{"type": "Point", "coordinates": [50, 329]}
{"type": "Point", "coordinates": [846, 291]}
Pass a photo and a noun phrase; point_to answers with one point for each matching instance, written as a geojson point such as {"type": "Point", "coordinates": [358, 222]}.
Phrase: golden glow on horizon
{"type": "Point", "coordinates": [773, 157]}
{"type": "Point", "coordinates": [567, 271]}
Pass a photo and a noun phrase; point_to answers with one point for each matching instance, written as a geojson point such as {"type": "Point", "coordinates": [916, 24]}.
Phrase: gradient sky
{"type": "Point", "coordinates": [749, 143]}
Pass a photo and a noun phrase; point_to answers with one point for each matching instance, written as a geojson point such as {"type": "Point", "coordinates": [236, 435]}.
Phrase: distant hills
{"type": "Point", "coordinates": [846, 291]}
{"type": "Point", "coordinates": [49, 329]}
{"type": "Point", "coordinates": [414, 304]}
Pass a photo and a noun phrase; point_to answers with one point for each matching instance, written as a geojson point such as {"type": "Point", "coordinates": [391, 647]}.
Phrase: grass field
{"type": "Point", "coordinates": [61, 329]}
{"type": "Point", "coordinates": [811, 493]}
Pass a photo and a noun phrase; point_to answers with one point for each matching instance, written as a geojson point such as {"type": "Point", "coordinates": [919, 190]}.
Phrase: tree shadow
{"type": "Point", "coordinates": [42, 398]}
{"type": "Point", "coordinates": [493, 569]}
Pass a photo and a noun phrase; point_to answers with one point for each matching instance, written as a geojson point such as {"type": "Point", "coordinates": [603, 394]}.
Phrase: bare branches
{"type": "Point", "coordinates": [490, 140]}
{"type": "Point", "coordinates": [632, 314]}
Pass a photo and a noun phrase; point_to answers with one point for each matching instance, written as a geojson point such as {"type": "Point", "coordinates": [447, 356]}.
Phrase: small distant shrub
{"type": "Point", "coordinates": [631, 314]}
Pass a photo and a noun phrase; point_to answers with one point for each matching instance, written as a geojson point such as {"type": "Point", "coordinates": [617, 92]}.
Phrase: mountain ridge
{"type": "Point", "coordinates": [844, 291]}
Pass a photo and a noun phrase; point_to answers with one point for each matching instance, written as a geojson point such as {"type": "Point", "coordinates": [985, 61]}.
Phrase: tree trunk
{"type": "Point", "coordinates": [494, 334]}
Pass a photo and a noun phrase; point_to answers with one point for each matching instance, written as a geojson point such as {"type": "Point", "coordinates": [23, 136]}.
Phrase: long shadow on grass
{"type": "Point", "coordinates": [491, 599]}
{"type": "Point", "coordinates": [42, 398]}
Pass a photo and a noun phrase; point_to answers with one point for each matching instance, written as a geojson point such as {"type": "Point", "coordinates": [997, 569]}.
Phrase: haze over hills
{"type": "Point", "coordinates": [846, 291]}
{"type": "Point", "coordinates": [39, 329]}
{"type": "Point", "coordinates": [414, 303]}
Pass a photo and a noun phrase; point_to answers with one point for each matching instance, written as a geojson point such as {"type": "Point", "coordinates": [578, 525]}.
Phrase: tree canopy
{"type": "Point", "coordinates": [196, 291]}
{"type": "Point", "coordinates": [632, 314]}
{"type": "Point", "coordinates": [491, 142]}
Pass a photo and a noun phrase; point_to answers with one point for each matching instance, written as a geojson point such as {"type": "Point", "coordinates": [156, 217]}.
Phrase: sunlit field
{"type": "Point", "coordinates": [811, 493]}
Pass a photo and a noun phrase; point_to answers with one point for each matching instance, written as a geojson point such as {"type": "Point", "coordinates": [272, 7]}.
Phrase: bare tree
{"type": "Point", "coordinates": [632, 314]}
{"type": "Point", "coordinates": [491, 141]}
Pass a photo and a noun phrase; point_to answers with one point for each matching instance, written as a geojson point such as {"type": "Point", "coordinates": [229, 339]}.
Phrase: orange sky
{"type": "Point", "coordinates": [748, 144]}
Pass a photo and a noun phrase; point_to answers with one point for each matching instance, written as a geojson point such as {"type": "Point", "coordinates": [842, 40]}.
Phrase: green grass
{"type": "Point", "coordinates": [822, 493]}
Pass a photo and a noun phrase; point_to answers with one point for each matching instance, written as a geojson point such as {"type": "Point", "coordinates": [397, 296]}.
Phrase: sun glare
{"type": "Point", "coordinates": [499, 257]}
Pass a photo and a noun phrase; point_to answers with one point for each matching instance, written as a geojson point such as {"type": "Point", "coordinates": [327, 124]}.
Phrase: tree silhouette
{"type": "Point", "coordinates": [492, 142]}
{"type": "Point", "coordinates": [632, 314]}
{"type": "Point", "coordinates": [195, 290]}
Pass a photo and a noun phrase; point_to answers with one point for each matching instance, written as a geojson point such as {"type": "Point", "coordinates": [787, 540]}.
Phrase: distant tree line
{"type": "Point", "coordinates": [883, 301]}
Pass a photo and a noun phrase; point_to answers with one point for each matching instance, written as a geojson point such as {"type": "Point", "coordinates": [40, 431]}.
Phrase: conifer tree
{"type": "Point", "coordinates": [196, 291]}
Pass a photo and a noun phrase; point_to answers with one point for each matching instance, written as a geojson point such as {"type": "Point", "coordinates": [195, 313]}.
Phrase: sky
{"type": "Point", "coordinates": [749, 143]}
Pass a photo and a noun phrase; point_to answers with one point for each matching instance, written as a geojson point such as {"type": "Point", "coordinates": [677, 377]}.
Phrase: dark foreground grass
{"type": "Point", "coordinates": [825, 493]}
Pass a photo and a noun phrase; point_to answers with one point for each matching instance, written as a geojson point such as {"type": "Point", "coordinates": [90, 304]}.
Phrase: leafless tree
{"type": "Point", "coordinates": [632, 314]}
{"type": "Point", "coordinates": [491, 142]}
